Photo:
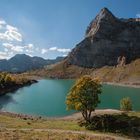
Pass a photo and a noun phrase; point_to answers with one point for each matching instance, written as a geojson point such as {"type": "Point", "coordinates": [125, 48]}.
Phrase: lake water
{"type": "Point", "coordinates": [47, 98]}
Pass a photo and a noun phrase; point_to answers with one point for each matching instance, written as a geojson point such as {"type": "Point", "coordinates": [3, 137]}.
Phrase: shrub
{"type": "Point", "coordinates": [125, 104]}
{"type": "Point", "coordinates": [117, 123]}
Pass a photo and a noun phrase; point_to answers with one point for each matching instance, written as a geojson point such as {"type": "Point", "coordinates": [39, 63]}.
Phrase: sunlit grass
{"type": "Point", "coordinates": [11, 122]}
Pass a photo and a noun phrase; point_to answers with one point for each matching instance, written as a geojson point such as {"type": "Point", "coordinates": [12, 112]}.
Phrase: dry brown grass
{"type": "Point", "coordinates": [47, 135]}
{"type": "Point", "coordinates": [128, 74]}
{"type": "Point", "coordinates": [61, 70]}
{"type": "Point", "coordinates": [17, 128]}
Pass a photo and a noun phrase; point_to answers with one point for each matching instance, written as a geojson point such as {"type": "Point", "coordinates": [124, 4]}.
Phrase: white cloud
{"type": "Point", "coordinates": [11, 28]}
{"type": "Point", "coordinates": [3, 55]}
{"type": "Point", "coordinates": [17, 48]}
{"type": "Point", "coordinates": [43, 51]}
{"type": "Point", "coordinates": [13, 48]}
{"type": "Point", "coordinates": [53, 48]}
{"type": "Point", "coordinates": [29, 48]}
{"type": "Point", "coordinates": [2, 22]}
{"type": "Point", "coordinates": [29, 54]}
{"type": "Point", "coordinates": [7, 45]}
{"type": "Point", "coordinates": [12, 43]}
{"type": "Point", "coordinates": [9, 32]}
{"type": "Point", "coordinates": [11, 35]}
{"type": "Point", "coordinates": [5, 49]}
{"type": "Point", "coordinates": [62, 50]}
{"type": "Point", "coordinates": [37, 49]}
{"type": "Point", "coordinates": [138, 15]}
{"type": "Point", "coordinates": [14, 35]}
{"type": "Point", "coordinates": [10, 53]}
{"type": "Point", "coordinates": [28, 51]}
{"type": "Point", "coordinates": [64, 55]}
{"type": "Point", "coordinates": [5, 36]}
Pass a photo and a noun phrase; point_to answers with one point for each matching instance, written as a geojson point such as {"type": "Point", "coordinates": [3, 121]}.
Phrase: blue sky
{"type": "Point", "coordinates": [51, 28]}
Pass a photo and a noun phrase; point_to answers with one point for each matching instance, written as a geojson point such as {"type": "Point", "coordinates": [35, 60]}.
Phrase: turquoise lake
{"type": "Point", "coordinates": [47, 98]}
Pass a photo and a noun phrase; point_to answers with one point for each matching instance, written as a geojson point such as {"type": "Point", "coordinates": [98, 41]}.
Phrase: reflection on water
{"type": "Point", "coordinates": [6, 99]}
{"type": "Point", "coordinates": [45, 98]}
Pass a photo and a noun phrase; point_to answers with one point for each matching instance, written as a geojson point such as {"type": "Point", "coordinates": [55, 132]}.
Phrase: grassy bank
{"type": "Point", "coordinates": [15, 127]}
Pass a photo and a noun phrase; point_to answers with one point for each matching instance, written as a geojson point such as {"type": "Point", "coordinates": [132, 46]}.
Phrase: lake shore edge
{"type": "Point", "coordinates": [131, 85]}
{"type": "Point", "coordinates": [122, 84]}
{"type": "Point", "coordinates": [73, 116]}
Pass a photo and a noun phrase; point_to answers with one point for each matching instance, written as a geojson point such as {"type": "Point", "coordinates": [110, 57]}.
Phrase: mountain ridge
{"type": "Point", "coordinates": [23, 62]}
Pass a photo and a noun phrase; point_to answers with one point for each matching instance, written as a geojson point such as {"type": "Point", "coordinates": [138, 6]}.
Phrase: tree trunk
{"type": "Point", "coordinates": [87, 116]}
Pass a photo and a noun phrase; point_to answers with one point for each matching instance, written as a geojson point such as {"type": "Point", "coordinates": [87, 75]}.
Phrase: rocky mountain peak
{"type": "Point", "coordinates": [105, 11]}
{"type": "Point", "coordinates": [104, 17]}
{"type": "Point", "coordinates": [105, 14]}
{"type": "Point", "coordinates": [107, 38]}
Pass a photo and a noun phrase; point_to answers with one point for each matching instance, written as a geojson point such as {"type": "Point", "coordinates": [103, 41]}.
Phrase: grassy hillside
{"type": "Point", "coordinates": [128, 74]}
{"type": "Point", "coordinates": [61, 70]}
{"type": "Point", "coordinates": [36, 128]}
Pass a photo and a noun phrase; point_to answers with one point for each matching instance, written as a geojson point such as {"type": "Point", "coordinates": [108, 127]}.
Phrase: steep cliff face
{"type": "Point", "coordinates": [107, 39]}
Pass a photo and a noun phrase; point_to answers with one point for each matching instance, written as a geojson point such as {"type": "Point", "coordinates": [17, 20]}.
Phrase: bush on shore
{"type": "Point", "coordinates": [125, 104]}
{"type": "Point", "coordinates": [6, 80]}
{"type": "Point", "coordinates": [122, 123]}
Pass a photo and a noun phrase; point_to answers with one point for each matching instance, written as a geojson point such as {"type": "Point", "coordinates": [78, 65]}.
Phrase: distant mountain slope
{"type": "Point", "coordinates": [108, 39]}
{"type": "Point", "coordinates": [128, 74]}
{"type": "Point", "coordinates": [23, 62]}
{"type": "Point", "coordinates": [61, 70]}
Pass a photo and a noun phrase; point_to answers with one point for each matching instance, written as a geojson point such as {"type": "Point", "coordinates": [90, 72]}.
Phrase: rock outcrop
{"type": "Point", "coordinates": [107, 38]}
{"type": "Point", "coordinates": [121, 61]}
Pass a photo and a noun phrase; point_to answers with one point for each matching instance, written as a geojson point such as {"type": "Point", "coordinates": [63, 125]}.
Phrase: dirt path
{"type": "Point", "coordinates": [105, 136]}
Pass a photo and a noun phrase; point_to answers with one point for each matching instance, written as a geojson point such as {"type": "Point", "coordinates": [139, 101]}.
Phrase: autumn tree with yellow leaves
{"type": "Point", "coordinates": [84, 96]}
